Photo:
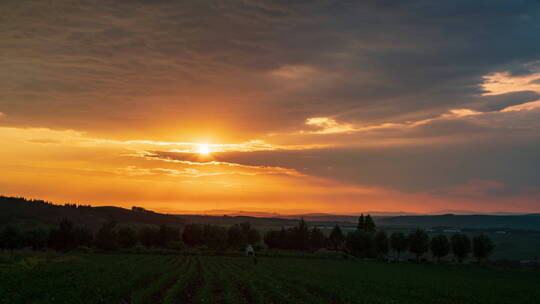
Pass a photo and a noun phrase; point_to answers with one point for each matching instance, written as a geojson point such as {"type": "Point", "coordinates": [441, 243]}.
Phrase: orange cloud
{"type": "Point", "coordinates": [503, 82]}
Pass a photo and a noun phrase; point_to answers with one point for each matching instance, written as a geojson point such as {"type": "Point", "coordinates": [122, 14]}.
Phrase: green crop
{"type": "Point", "coordinates": [147, 278]}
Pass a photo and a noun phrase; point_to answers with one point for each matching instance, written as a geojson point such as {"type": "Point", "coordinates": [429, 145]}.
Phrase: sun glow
{"type": "Point", "coordinates": [204, 149]}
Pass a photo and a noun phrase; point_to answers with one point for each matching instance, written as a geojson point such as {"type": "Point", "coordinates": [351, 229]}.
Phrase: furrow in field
{"type": "Point", "coordinates": [299, 292]}
{"type": "Point", "coordinates": [174, 292]}
{"type": "Point", "coordinates": [195, 282]}
{"type": "Point", "coordinates": [270, 289]}
{"type": "Point", "coordinates": [204, 294]}
{"type": "Point", "coordinates": [217, 289]}
{"type": "Point", "coordinates": [225, 291]}
{"type": "Point", "coordinates": [312, 293]}
{"type": "Point", "coordinates": [146, 273]}
{"type": "Point", "coordinates": [246, 290]}
{"type": "Point", "coordinates": [153, 292]}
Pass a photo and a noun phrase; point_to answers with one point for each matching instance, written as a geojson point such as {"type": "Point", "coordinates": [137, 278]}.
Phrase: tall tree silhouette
{"type": "Point", "coordinates": [369, 224]}
{"type": "Point", "coordinates": [440, 246]}
{"type": "Point", "coordinates": [418, 243]}
{"type": "Point", "coordinates": [336, 237]}
{"type": "Point", "coordinates": [235, 237]}
{"type": "Point", "coordinates": [461, 246]}
{"type": "Point", "coordinates": [482, 247]}
{"type": "Point", "coordinates": [37, 238]}
{"type": "Point", "coordinates": [127, 237]}
{"type": "Point", "coordinates": [10, 237]}
{"type": "Point", "coordinates": [106, 237]}
{"type": "Point", "coordinates": [316, 239]}
{"type": "Point", "coordinates": [399, 243]}
{"type": "Point", "coordinates": [361, 223]}
{"type": "Point", "coordinates": [380, 242]}
{"type": "Point", "coordinates": [253, 236]}
{"type": "Point", "coordinates": [360, 243]}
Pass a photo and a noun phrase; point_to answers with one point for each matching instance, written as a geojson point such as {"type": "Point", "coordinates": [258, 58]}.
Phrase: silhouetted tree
{"type": "Point", "coordinates": [214, 237]}
{"type": "Point", "coordinates": [37, 238]}
{"type": "Point", "coordinates": [106, 237]}
{"type": "Point", "coordinates": [461, 246]}
{"type": "Point", "coordinates": [253, 236]}
{"type": "Point", "coordinates": [10, 237]}
{"type": "Point", "coordinates": [272, 239]}
{"type": "Point", "coordinates": [482, 247]}
{"type": "Point", "coordinates": [239, 235]}
{"type": "Point", "coordinates": [440, 246]}
{"type": "Point", "coordinates": [245, 226]}
{"type": "Point", "coordinates": [317, 239]}
{"type": "Point", "coordinates": [63, 238]}
{"type": "Point", "coordinates": [399, 243]}
{"type": "Point", "coordinates": [418, 243]}
{"type": "Point", "coordinates": [284, 237]}
{"type": "Point", "coordinates": [380, 241]}
{"type": "Point", "coordinates": [167, 235]}
{"type": "Point", "coordinates": [336, 237]}
{"type": "Point", "coordinates": [299, 236]}
{"type": "Point", "coordinates": [369, 224]}
{"type": "Point", "coordinates": [83, 236]}
{"type": "Point", "coordinates": [359, 243]}
{"type": "Point", "coordinates": [235, 237]}
{"type": "Point", "coordinates": [193, 235]}
{"type": "Point", "coordinates": [127, 237]}
{"type": "Point", "coordinates": [361, 223]}
{"type": "Point", "coordinates": [148, 236]}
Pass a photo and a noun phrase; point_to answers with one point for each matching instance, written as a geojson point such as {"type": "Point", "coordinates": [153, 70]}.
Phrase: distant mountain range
{"type": "Point", "coordinates": [320, 215]}
{"type": "Point", "coordinates": [35, 212]}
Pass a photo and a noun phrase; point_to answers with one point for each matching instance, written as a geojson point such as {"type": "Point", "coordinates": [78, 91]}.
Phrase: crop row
{"type": "Point", "coordinates": [93, 278]}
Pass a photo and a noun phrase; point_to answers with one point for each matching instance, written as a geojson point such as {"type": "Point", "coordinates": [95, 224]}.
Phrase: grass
{"type": "Point", "coordinates": [152, 278]}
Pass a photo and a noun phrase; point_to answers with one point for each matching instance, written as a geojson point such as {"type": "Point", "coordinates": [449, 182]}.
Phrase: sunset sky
{"type": "Point", "coordinates": [277, 106]}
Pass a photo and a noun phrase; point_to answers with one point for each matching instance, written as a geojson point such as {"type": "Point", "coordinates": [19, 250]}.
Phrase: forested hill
{"type": "Point", "coordinates": [37, 212]}
{"type": "Point", "coordinates": [526, 222]}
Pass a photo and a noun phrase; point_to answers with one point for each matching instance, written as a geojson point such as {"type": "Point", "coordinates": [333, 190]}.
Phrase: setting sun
{"type": "Point", "coordinates": [204, 149]}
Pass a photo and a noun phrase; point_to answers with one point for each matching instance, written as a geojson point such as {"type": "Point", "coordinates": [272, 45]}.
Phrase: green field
{"type": "Point", "coordinates": [146, 278]}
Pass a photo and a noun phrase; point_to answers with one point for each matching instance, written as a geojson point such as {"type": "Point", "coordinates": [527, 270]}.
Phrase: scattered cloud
{"type": "Point", "coordinates": [327, 125]}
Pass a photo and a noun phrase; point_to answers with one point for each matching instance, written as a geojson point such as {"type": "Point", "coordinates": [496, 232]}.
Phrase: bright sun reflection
{"type": "Point", "coordinates": [204, 149]}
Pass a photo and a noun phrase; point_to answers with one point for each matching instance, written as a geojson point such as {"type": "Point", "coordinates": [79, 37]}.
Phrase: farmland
{"type": "Point", "coordinates": [153, 278]}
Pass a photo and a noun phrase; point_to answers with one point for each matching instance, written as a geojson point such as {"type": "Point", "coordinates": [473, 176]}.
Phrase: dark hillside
{"type": "Point", "coordinates": [37, 212]}
{"type": "Point", "coordinates": [231, 220]}
{"type": "Point", "coordinates": [526, 222]}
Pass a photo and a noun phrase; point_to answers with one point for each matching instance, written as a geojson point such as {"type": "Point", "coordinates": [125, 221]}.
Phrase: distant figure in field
{"type": "Point", "coordinates": [251, 252]}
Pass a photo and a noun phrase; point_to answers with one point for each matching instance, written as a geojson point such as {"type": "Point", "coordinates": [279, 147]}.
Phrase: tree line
{"type": "Point", "coordinates": [369, 242]}
{"type": "Point", "coordinates": [365, 241]}
{"type": "Point", "coordinates": [111, 236]}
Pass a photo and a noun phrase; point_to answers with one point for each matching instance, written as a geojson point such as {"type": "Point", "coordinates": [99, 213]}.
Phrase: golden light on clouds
{"type": "Point", "coordinates": [67, 166]}
{"type": "Point", "coordinates": [327, 125]}
{"type": "Point", "coordinates": [504, 82]}
{"type": "Point", "coordinates": [269, 105]}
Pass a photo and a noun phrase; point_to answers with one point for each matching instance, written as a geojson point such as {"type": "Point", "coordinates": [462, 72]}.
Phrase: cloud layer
{"type": "Point", "coordinates": [439, 100]}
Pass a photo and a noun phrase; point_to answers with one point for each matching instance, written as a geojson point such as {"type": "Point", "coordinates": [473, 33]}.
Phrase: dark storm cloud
{"type": "Point", "coordinates": [392, 61]}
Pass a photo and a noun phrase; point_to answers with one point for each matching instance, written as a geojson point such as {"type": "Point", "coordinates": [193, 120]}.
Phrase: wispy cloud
{"type": "Point", "coordinates": [326, 125]}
